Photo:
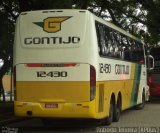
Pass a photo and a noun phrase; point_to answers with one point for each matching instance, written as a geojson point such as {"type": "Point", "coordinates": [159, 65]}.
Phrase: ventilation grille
{"type": "Point", "coordinates": [101, 97]}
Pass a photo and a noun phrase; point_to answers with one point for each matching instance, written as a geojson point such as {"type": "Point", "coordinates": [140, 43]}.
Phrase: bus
{"type": "Point", "coordinates": [72, 64]}
{"type": "Point", "coordinates": [154, 74]}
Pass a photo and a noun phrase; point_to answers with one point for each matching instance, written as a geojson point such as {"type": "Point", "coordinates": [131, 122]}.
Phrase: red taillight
{"type": "Point", "coordinates": [141, 62]}
{"type": "Point", "coordinates": [92, 82]}
{"type": "Point", "coordinates": [70, 65]}
{"type": "Point", "coordinates": [92, 76]}
{"type": "Point", "coordinates": [149, 79]}
{"type": "Point", "coordinates": [34, 65]}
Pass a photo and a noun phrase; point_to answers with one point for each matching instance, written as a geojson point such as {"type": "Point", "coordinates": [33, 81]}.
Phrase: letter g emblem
{"type": "Point", "coordinates": [53, 24]}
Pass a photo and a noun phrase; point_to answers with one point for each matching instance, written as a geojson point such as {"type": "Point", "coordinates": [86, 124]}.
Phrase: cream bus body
{"type": "Point", "coordinates": [60, 72]}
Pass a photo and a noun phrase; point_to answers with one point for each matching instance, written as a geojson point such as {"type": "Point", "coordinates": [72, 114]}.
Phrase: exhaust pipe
{"type": "Point", "coordinates": [29, 113]}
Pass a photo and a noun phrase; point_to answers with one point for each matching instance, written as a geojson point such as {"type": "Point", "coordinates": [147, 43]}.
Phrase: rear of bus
{"type": "Point", "coordinates": [53, 69]}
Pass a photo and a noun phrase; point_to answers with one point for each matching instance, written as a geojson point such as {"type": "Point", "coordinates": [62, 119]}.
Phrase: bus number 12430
{"type": "Point", "coordinates": [52, 74]}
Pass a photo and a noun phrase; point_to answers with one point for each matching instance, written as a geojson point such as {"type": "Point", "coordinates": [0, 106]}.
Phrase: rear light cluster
{"type": "Point", "coordinates": [92, 82]}
{"type": "Point", "coordinates": [149, 78]}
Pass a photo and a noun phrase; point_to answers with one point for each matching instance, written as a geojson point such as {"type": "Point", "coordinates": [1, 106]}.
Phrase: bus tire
{"type": "Point", "coordinates": [117, 110]}
{"type": "Point", "coordinates": [141, 106]}
{"type": "Point", "coordinates": [109, 119]}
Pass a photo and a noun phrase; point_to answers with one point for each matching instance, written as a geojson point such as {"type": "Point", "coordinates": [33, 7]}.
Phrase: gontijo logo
{"type": "Point", "coordinates": [52, 24]}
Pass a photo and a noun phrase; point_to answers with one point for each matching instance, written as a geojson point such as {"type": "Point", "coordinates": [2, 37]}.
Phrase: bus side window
{"type": "Point", "coordinates": [126, 54]}
{"type": "Point", "coordinates": [109, 47]}
{"type": "Point", "coordinates": [137, 53]}
{"type": "Point", "coordinates": [116, 45]}
{"type": "Point", "coordinates": [140, 53]}
{"type": "Point", "coordinates": [101, 39]}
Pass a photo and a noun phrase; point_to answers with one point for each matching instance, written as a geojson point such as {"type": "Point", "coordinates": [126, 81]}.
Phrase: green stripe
{"type": "Point", "coordinates": [136, 83]}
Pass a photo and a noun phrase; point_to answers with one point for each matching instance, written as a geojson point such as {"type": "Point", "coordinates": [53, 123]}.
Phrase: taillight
{"type": "Point", "coordinates": [92, 82]}
{"type": "Point", "coordinates": [141, 62]}
{"type": "Point", "coordinates": [149, 79]}
{"type": "Point", "coordinates": [70, 64]}
{"type": "Point", "coordinates": [34, 65]}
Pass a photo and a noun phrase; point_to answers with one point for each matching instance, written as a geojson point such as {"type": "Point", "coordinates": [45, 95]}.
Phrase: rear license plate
{"type": "Point", "coordinates": [51, 105]}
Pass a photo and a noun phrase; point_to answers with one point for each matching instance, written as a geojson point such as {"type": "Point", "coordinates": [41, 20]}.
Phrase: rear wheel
{"type": "Point", "coordinates": [109, 119]}
{"type": "Point", "coordinates": [117, 110]}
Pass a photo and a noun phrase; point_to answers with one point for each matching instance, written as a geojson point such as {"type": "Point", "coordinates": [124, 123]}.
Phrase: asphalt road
{"type": "Point", "coordinates": [131, 121]}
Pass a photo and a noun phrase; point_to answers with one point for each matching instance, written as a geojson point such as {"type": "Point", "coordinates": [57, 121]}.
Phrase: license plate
{"type": "Point", "coordinates": [51, 105]}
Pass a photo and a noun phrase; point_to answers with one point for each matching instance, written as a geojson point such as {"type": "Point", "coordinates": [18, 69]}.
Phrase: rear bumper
{"type": "Point", "coordinates": [64, 110]}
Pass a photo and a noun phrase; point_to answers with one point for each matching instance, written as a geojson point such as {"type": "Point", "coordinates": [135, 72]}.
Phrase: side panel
{"type": "Point", "coordinates": [116, 76]}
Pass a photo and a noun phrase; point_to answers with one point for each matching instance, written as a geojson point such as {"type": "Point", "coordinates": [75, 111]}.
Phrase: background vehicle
{"type": "Point", "coordinates": [154, 74]}
{"type": "Point", "coordinates": [72, 64]}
